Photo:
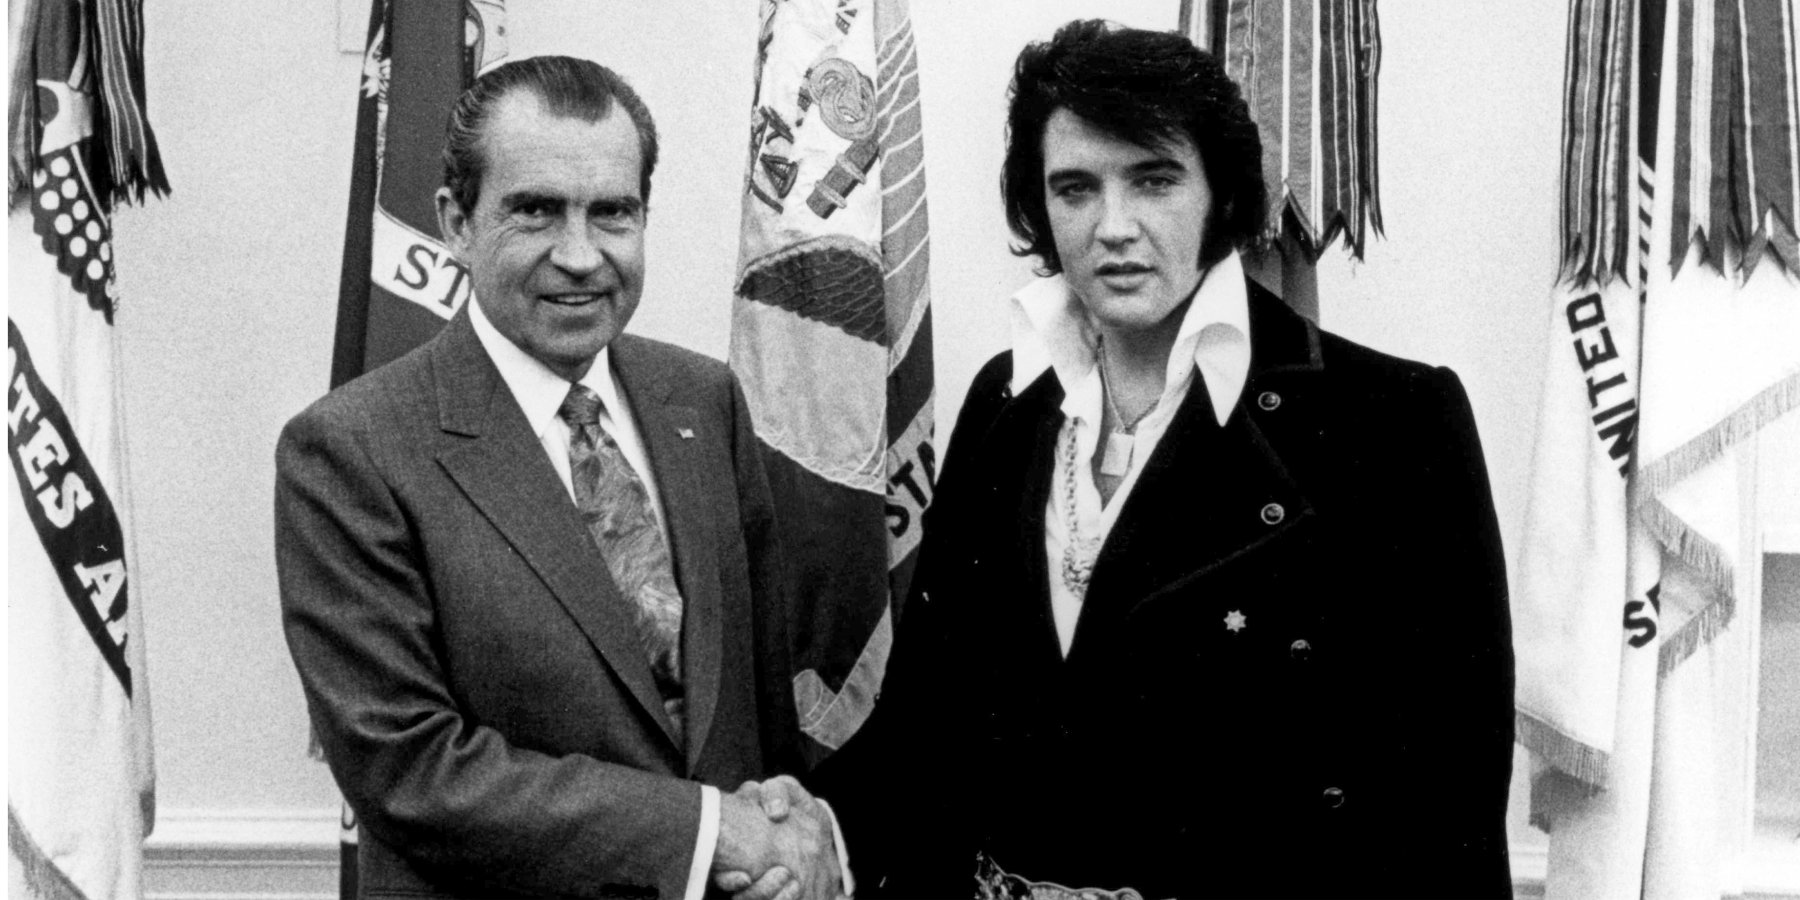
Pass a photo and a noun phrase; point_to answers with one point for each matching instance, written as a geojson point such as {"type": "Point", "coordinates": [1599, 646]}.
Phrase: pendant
{"type": "Point", "coordinates": [1117, 459]}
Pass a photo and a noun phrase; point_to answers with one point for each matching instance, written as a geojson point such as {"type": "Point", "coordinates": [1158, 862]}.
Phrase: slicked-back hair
{"type": "Point", "coordinates": [566, 86]}
{"type": "Point", "coordinates": [1149, 88]}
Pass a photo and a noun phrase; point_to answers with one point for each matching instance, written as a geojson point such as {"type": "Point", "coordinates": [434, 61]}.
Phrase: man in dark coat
{"type": "Point", "coordinates": [1213, 602]}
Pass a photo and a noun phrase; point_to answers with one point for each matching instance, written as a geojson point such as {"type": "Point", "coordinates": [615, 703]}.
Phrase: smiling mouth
{"type": "Point", "coordinates": [573, 299]}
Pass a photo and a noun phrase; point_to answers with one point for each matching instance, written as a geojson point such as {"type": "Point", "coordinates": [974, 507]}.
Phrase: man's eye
{"type": "Point", "coordinates": [533, 209]}
{"type": "Point", "coordinates": [616, 215]}
{"type": "Point", "coordinates": [1073, 190]}
{"type": "Point", "coordinates": [1156, 182]}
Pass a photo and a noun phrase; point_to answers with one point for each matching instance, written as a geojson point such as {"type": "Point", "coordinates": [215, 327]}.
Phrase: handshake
{"type": "Point", "coordinates": [776, 842]}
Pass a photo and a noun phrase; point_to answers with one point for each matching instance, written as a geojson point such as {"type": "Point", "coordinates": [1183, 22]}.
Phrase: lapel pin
{"type": "Point", "coordinates": [1234, 621]}
{"type": "Point", "coordinates": [686, 433]}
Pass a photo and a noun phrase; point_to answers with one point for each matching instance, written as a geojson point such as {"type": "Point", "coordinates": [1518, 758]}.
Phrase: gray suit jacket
{"type": "Point", "coordinates": [471, 670]}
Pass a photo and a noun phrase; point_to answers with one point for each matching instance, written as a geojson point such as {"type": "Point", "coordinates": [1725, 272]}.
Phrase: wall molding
{"type": "Point", "coordinates": [212, 854]}
{"type": "Point", "coordinates": [292, 854]}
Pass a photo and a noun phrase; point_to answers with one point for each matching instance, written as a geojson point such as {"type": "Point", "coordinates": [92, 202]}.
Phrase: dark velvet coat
{"type": "Point", "coordinates": [1352, 738]}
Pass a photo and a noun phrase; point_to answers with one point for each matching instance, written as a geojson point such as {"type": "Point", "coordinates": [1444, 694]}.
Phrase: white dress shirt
{"type": "Point", "coordinates": [540, 393]}
{"type": "Point", "coordinates": [1050, 330]}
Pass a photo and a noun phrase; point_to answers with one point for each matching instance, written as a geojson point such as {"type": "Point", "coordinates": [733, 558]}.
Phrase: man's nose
{"type": "Point", "coordinates": [576, 251]}
{"type": "Point", "coordinates": [1118, 218]}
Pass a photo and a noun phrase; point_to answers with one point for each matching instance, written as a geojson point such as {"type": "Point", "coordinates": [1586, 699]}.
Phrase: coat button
{"type": "Point", "coordinates": [1300, 650]}
{"type": "Point", "coordinates": [1268, 400]}
{"type": "Point", "coordinates": [1333, 797]}
{"type": "Point", "coordinates": [1272, 514]}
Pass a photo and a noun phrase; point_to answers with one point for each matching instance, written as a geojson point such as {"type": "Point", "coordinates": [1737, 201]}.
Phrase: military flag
{"type": "Point", "coordinates": [80, 785]}
{"type": "Point", "coordinates": [1309, 71]}
{"type": "Point", "coordinates": [1661, 372]}
{"type": "Point", "coordinates": [399, 284]}
{"type": "Point", "coordinates": [831, 333]}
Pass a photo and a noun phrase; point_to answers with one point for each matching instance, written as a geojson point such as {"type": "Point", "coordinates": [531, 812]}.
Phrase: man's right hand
{"type": "Point", "coordinates": [775, 843]}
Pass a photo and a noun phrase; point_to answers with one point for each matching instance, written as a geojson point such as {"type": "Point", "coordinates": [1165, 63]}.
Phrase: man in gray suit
{"type": "Point", "coordinates": [528, 572]}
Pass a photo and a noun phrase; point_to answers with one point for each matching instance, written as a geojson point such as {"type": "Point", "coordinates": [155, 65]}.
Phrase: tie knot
{"type": "Point", "coordinates": [581, 407]}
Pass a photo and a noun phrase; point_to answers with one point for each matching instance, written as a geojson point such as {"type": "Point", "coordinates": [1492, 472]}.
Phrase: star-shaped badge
{"type": "Point", "coordinates": [1234, 621]}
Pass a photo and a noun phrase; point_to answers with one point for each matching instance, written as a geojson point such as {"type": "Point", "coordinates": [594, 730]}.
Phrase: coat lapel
{"type": "Point", "coordinates": [503, 471]}
{"type": "Point", "coordinates": [1209, 493]}
{"type": "Point", "coordinates": [1025, 432]}
{"type": "Point", "coordinates": [674, 436]}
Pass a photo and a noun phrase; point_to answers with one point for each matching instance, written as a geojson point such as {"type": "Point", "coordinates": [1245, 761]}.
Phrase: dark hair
{"type": "Point", "coordinates": [569, 87]}
{"type": "Point", "coordinates": [1150, 88]}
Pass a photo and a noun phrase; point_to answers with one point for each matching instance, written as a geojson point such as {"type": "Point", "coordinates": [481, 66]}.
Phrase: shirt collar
{"type": "Point", "coordinates": [1050, 330]}
{"type": "Point", "coordinates": [538, 390]}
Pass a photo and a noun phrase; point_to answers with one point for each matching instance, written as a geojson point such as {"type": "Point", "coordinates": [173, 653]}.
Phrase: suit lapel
{"type": "Point", "coordinates": [674, 437]}
{"type": "Point", "coordinates": [505, 474]}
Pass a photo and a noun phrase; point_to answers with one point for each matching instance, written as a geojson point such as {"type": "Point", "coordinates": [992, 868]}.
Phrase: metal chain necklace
{"type": "Point", "coordinates": [1079, 551]}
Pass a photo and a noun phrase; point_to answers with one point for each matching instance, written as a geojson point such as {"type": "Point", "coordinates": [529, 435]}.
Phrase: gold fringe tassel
{"type": "Point", "coordinates": [1699, 631]}
{"type": "Point", "coordinates": [42, 877]}
{"type": "Point", "coordinates": [1682, 541]}
{"type": "Point", "coordinates": [1707, 559]}
{"type": "Point", "coordinates": [1690, 546]}
{"type": "Point", "coordinates": [1770, 404]}
{"type": "Point", "coordinates": [1588, 765]}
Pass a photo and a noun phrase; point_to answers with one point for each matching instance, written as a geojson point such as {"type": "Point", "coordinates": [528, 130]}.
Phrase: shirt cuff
{"type": "Point", "coordinates": [843, 852]}
{"type": "Point", "coordinates": [707, 842]}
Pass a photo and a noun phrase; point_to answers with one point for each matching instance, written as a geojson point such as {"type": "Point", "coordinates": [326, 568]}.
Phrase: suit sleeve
{"type": "Point", "coordinates": [453, 796]}
{"type": "Point", "coordinates": [1465, 743]}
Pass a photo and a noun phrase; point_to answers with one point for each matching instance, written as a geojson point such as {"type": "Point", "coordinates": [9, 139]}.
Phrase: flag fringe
{"type": "Point", "coordinates": [1671, 468]}
{"type": "Point", "coordinates": [41, 876]}
{"type": "Point", "coordinates": [1688, 545]}
{"type": "Point", "coordinates": [1715, 570]}
{"type": "Point", "coordinates": [1586, 764]}
{"type": "Point", "coordinates": [1699, 631]}
{"type": "Point", "coordinates": [21, 114]}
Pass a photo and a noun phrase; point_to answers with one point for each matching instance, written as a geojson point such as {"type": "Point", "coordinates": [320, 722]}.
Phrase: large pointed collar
{"type": "Point", "coordinates": [1050, 330]}
{"type": "Point", "coordinates": [1285, 341]}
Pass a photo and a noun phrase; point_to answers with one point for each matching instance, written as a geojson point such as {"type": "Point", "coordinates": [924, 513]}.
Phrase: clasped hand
{"type": "Point", "coordinates": [775, 843]}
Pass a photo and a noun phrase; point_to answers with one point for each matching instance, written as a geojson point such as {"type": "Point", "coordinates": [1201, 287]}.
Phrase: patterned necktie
{"type": "Point", "coordinates": [613, 501]}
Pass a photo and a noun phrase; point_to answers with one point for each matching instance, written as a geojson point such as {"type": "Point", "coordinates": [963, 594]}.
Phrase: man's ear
{"type": "Point", "coordinates": [453, 222]}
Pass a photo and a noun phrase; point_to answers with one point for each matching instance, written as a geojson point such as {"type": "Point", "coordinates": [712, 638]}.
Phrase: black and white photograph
{"type": "Point", "coordinates": [835, 449]}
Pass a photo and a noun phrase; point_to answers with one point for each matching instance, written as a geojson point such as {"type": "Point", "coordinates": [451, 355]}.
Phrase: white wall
{"type": "Point", "coordinates": [231, 283]}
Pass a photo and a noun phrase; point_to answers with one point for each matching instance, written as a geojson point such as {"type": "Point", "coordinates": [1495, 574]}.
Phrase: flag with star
{"type": "Point", "coordinates": [80, 784]}
{"type": "Point", "coordinates": [831, 334]}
